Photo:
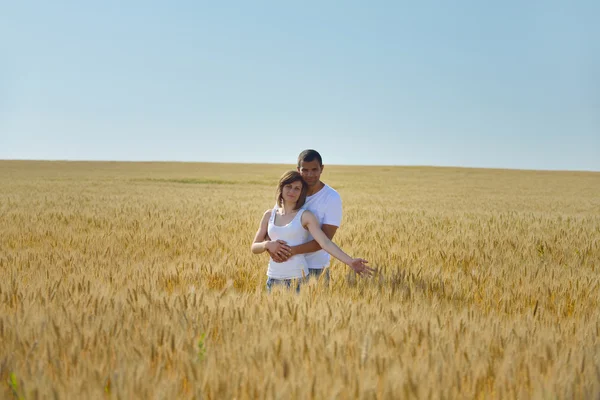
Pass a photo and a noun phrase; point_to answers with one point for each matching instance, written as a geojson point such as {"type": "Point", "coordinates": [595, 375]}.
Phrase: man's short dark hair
{"type": "Point", "coordinates": [310, 155]}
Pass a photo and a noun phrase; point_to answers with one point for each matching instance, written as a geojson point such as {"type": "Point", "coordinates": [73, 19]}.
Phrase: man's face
{"type": "Point", "coordinates": [311, 171]}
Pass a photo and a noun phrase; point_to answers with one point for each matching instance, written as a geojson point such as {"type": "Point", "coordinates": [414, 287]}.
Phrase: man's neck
{"type": "Point", "coordinates": [314, 189]}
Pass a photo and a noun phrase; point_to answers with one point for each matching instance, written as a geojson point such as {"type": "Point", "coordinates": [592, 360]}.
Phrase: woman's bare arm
{"type": "Point", "coordinates": [310, 222]}
{"type": "Point", "coordinates": [259, 244]}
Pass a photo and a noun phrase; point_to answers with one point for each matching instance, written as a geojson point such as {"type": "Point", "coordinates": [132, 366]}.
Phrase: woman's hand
{"type": "Point", "coordinates": [359, 266]}
{"type": "Point", "coordinates": [278, 250]}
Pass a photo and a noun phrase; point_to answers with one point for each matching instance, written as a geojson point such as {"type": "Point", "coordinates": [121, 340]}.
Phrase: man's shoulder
{"type": "Point", "coordinates": [327, 191]}
{"type": "Point", "coordinates": [326, 197]}
{"type": "Point", "coordinates": [323, 198]}
{"type": "Point", "coordinates": [332, 193]}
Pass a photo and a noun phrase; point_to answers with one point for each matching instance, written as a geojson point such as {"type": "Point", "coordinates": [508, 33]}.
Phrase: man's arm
{"type": "Point", "coordinates": [312, 246]}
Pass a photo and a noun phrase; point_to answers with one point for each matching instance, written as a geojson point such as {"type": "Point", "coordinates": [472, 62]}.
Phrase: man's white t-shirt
{"type": "Point", "coordinates": [326, 205]}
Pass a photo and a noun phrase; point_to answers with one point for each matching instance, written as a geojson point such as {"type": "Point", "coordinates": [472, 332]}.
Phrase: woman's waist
{"type": "Point", "coordinates": [290, 240]}
{"type": "Point", "coordinates": [294, 261]}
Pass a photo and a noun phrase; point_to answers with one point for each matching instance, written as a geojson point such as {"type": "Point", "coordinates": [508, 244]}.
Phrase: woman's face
{"type": "Point", "coordinates": [291, 191]}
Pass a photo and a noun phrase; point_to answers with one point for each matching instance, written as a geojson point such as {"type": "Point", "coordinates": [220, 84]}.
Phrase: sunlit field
{"type": "Point", "coordinates": [136, 280]}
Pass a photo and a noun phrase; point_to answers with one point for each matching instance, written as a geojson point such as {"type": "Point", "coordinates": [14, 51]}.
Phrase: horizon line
{"type": "Point", "coordinates": [280, 163]}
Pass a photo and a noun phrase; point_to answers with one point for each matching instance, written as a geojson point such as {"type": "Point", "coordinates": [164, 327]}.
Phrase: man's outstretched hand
{"type": "Point", "coordinates": [360, 267]}
{"type": "Point", "coordinates": [279, 250]}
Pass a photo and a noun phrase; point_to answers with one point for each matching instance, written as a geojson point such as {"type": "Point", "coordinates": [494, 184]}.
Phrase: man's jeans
{"type": "Point", "coordinates": [317, 272]}
{"type": "Point", "coordinates": [286, 283]}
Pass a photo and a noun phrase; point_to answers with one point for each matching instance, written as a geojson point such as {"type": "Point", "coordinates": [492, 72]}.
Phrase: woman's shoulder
{"type": "Point", "coordinates": [306, 213]}
{"type": "Point", "coordinates": [267, 215]}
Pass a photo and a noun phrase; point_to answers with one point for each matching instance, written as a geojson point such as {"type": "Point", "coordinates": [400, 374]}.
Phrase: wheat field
{"type": "Point", "coordinates": [136, 280]}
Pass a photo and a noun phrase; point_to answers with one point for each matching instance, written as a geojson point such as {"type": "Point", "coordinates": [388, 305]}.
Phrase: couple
{"type": "Point", "coordinates": [297, 233]}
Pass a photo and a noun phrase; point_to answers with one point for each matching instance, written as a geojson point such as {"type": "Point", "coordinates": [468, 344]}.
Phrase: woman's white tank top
{"type": "Point", "coordinates": [294, 234]}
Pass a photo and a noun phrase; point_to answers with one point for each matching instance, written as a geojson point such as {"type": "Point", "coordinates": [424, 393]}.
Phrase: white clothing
{"type": "Point", "coordinates": [294, 234]}
{"type": "Point", "coordinates": [326, 205]}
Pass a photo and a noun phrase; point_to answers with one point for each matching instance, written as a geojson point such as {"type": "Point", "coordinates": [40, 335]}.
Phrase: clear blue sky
{"type": "Point", "coordinates": [510, 84]}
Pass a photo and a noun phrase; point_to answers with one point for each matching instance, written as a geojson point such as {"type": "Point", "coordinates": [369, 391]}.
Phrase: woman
{"type": "Point", "coordinates": [292, 223]}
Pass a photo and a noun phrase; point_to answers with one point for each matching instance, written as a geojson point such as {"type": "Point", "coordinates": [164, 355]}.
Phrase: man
{"type": "Point", "coordinates": [325, 203]}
